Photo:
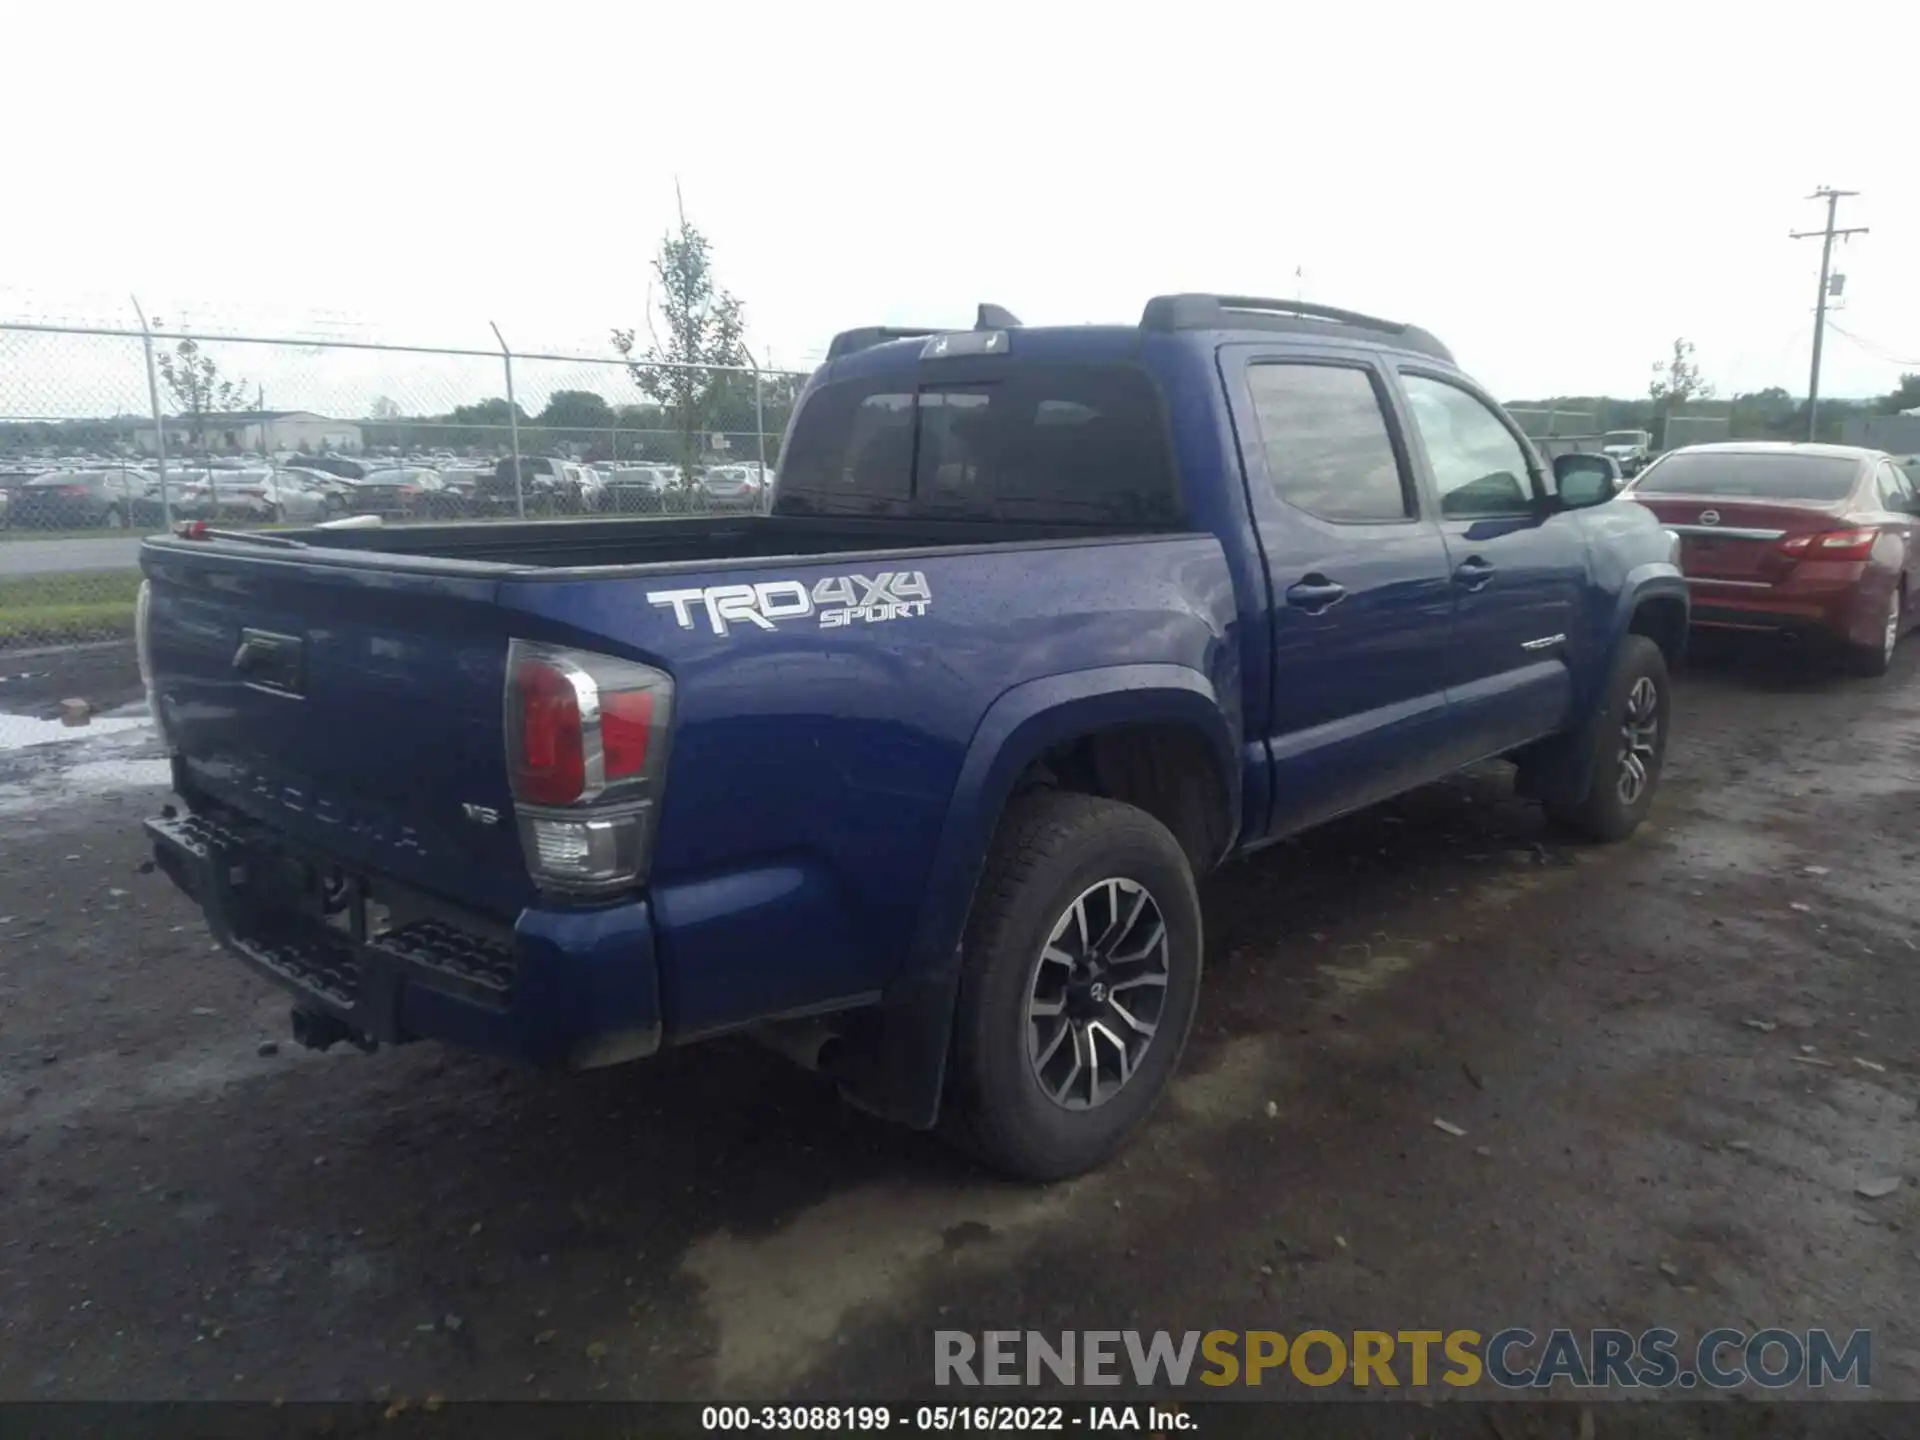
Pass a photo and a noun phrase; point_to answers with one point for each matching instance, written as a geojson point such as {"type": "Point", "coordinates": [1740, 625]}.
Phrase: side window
{"type": "Point", "coordinates": [1891, 487]}
{"type": "Point", "coordinates": [1478, 467]}
{"type": "Point", "coordinates": [1325, 435]}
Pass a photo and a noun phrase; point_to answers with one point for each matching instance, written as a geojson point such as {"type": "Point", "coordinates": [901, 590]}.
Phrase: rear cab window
{"type": "Point", "coordinates": [1037, 441]}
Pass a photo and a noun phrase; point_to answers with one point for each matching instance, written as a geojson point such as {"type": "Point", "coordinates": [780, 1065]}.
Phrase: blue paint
{"type": "Point", "coordinates": [831, 793]}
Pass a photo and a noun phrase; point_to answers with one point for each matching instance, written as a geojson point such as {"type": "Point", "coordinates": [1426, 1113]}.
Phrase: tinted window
{"type": "Point", "coordinates": [1891, 486]}
{"type": "Point", "coordinates": [1755, 474]}
{"type": "Point", "coordinates": [1478, 467]}
{"type": "Point", "coordinates": [1035, 442]}
{"type": "Point", "coordinates": [1326, 442]}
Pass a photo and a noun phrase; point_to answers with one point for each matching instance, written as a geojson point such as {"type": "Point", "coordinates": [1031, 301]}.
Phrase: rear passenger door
{"type": "Point", "coordinates": [1894, 493]}
{"type": "Point", "coordinates": [1518, 567]}
{"type": "Point", "coordinates": [1358, 581]}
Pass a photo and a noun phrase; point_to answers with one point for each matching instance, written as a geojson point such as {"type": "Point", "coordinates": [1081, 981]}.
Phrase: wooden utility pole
{"type": "Point", "coordinates": [1833, 198]}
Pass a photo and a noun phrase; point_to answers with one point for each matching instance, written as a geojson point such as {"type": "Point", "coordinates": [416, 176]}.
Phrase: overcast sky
{"type": "Point", "coordinates": [1556, 191]}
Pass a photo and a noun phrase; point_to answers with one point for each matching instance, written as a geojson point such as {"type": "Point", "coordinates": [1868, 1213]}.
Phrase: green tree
{"type": "Point", "coordinates": [485, 423]}
{"type": "Point", "coordinates": [197, 384]}
{"type": "Point", "coordinates": [576, 410]}
{"type": "Point", "coordinates": [1676, 380]}
{"type": "Point", "coordinates": [489, 412]}
{"type": "Point", "coordinates": [1904, 396]}
{"type": "Point", "coordinates": [699, 326]}
{"type": "Point", "coordinates": [1764, 414]}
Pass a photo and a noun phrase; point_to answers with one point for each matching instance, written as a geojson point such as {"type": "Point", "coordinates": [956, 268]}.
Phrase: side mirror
{"type": "Point", "coordinates": [1585, 480]}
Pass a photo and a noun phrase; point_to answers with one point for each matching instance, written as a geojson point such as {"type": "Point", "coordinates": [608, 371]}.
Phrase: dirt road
{"type": "Point", "coordinates": [1674, 1061]}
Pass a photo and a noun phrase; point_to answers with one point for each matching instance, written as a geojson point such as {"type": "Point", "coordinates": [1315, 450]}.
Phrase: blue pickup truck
{"type": "Point", "coordinates": [913, 776]}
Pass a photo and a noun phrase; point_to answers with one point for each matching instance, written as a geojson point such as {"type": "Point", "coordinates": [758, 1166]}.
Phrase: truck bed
{"type": "Point", "coordinates": [566, 544]}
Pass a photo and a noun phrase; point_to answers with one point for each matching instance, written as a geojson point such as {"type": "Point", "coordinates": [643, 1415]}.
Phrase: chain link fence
{"type": "Point", "coordinates": [1696, 430]}
{"type": "Point", "coordinates": [107, 434]}
{"type": "Point", "coordinates": [1539, 423]}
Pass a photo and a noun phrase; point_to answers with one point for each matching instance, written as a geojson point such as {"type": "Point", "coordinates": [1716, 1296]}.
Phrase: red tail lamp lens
{"type": "Point", "coordinates": [1833, 545]}
{"type": "Point", "coordinates": [550, 768]}
{"type": "Point", "coordinates": [626, 722]}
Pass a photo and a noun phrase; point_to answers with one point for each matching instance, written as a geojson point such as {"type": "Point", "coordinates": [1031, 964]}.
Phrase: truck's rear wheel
{"type": "Point", "coordinates": [1081, 969]}
{"type": "Point", "coordinates": [1628, 736]}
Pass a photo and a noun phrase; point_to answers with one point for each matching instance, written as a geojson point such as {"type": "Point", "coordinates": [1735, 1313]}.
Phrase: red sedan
{"type": "Point", "coordinates": [1815, 541]}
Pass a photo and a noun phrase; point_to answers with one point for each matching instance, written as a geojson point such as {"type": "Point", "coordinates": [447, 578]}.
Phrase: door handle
{"type": "Point", "coordinates": [1315, 593]}
{"type": "Point", "coordinates": [1472, 573]}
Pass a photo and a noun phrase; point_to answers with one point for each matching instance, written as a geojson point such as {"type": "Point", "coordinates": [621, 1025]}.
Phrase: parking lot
{"type": "Point", "coordinates": [1673, 1062]}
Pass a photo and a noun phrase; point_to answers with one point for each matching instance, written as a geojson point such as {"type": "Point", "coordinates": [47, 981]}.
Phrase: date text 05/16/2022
{"type": "Point", "coordinates": [939, 1419]}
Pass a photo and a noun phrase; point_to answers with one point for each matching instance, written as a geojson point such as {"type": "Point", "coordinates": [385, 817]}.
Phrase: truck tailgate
{"type": "Point", "coordinates": [354, 708]}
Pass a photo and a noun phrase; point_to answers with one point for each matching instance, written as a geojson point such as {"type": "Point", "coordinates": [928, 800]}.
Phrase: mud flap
{"type": "Point", "coordinates": [896, 1058]}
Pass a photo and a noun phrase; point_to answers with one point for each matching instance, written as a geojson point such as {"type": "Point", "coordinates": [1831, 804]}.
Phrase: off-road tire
{"type": "Point", "coordinates": [1050, 848]}
{"type": "Point", "coordinates": [1602, 813]}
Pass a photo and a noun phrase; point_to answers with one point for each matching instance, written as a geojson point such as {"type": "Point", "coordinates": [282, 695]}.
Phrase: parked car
{"type": "Point", "coordinates": [1632, 448]}
{"type": "Point", "coordinates": [258, 496]}
{"type": "Point", "coordinates": [345, 466]}
{"type": "Point", "coordinates": [1810, 541]}
{"type": "Point", "coordinates": [913, 776]}
{"type": "Point", "coordinates": [644, 489]}
{"type": "Point", "coordinates": [463, 480]}
{"type": "Point", "coordinates": [548, 485]}
{"type": "Point", "coordinates": [12, 478]}
{"type": "Point", "coordinates": [83, 499]}
{"type": "Point", "coordinates": [336, 490]}
{"type": "Point", "coordinates": [732, 486]}
{"type": "Point", "coordinates": [409, 494]}
{"type": "Point", "coordinates": [590, 490]}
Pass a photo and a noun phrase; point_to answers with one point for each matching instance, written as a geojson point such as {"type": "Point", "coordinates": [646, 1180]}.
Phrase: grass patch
{"type": "Point", "coordinates": [12, 534]}
{"type": "Point", "coordinates": [66, 608]}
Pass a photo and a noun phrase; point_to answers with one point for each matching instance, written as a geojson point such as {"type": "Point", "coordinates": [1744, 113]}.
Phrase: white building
{"type": "Point", "coordinates": [260, 431]}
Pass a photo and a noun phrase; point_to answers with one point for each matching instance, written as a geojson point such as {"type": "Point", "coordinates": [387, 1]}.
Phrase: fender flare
{"type": "Point", "coordinates": [1562, 767]}
{"type": "Point", "coordinates": [902, 1077]}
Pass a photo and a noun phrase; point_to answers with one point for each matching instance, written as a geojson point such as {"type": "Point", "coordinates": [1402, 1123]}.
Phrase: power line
{"type": "Point", "coordinates": [1877, 351]}
{"type": "Point", "coordinates": [1833, 198]}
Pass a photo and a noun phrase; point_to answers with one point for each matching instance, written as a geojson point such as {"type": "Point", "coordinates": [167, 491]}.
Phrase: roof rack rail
{"type": "Point", "coordinates": [1228, 312]}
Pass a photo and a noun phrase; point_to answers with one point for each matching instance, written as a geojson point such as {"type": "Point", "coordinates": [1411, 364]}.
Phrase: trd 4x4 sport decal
{"type": "Point", "coordinates": [837, 601]}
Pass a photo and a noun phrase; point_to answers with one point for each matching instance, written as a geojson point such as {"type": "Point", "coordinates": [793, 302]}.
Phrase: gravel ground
{"type": "Point", "coordinates": [1625, 1036]}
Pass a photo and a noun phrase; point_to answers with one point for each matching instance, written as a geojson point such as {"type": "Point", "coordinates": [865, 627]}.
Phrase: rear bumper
{"type": "Point", "coordinates": [631, 498]}
{"type": "Point", "coordinates": [565, 988]}
{"type": "Point", "coordinates": [1842, 607]}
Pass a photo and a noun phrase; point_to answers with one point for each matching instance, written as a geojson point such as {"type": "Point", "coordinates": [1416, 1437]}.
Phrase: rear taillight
{"type": "Point", "coordinates": [143, 654]}
{"type": "Point", "coordinates": [586, 753]}
{"type": "Point", "coordinates": [73, 491]}
{"type": "Point", "coordinates": [1832, 545]}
